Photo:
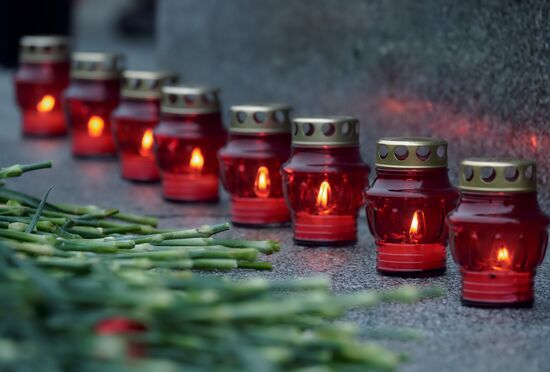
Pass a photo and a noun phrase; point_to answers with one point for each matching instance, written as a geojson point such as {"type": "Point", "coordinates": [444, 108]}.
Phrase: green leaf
{"type": "Point", "coordinates": [38, 212]}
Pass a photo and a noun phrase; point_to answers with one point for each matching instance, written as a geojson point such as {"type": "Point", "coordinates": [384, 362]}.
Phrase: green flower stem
{"type": "Point", "coordinates": [181, 264]}
{"type": "Point", "coordinates": [92, 212]}
{"type": "Point", "coordinates": [86, 232]}
{"type": "Point", "coordinates": [80, 266]}
{"type": "Point", "coordinates": [100, 214]}
{"type": "Point", "coordinates": [18, 169]}
{"type": "Point", "coordinates": [264, 246]}
{"type": "Point", "coordinates": [44, 224]}
{"type": "Point", "coordinates": [17, 226]}
{"type": "Point", "coordinates": [201, 232]}
{"type": "Point", "coordinates": [197, 252]}
{"type": "Point", "coordinates": [26, 237]}
{"type": "Point", "coordinates": [143, 220]}
{"type": "Point", "coordinates": [86, 211]}
{"type": "Point", "coordinates": [93, 246]}
{"type": "Point", "coordinates": [124, 229]}
{"type": "Point", "coordinates": [7, 195]}
{"type": "Point", "coordinates": [39, 249]}
{"type": "Point", "coordinates": [315, 303]}
{"type": "Point", "coordinates": [248, 286]}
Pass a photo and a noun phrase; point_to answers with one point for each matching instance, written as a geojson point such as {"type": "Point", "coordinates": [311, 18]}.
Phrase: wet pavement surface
{"type": "Point", "coordinates": [455, 338]}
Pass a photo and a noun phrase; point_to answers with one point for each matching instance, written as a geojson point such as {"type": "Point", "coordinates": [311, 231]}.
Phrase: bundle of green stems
{"type": "Point", "coordinates": [92, 289]}
{"type": "Point", "coordinates": [76, 236]}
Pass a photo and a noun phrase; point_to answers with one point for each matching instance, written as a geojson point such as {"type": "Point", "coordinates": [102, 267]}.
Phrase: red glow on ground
{"type": "Point", "coordinates": [324, 260]}
{"type": "Point", "coordinates": [405, 106]}
{"type": "Point", "coordinates": [534, 142]}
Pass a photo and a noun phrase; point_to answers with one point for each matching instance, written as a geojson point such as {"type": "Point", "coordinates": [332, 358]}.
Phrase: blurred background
{"type": "Point", "coordinates": [126, 26]}
{"type": "Point", "coordinates": [474, 73]}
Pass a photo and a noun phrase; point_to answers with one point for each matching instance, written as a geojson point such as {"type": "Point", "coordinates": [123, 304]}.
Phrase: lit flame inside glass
{"type": "Point", "coordinates": [197, 160]}
{"type": "Point", "coordinates": [146, 143]}
{"type": "Point", "coordinates": [503, 258]}
{"type": "Point", "coordinates": [46, 104]}
{"type": "Point", "coordinates": [417, 227]}
{"type": "Point", "coordinates": [95, 126]}
{"type": "Point", "coordinates": [323, 196]}
{"type": "Point", "coordinates": [262, 183]}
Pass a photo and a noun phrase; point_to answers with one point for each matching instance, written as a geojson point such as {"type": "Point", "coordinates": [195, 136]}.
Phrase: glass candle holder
{"type": "Point", "coordinates": [259, 143]}
{"type": "Point", "coordinates": [40, 79]}
{"type": "Point", "coordinates": [324, 180]}
{"type": "Point", "coordinates": [93, 94]}
{"type": "Point", "coordinates": [406, 206]}
{"type": "Point", "coordinates": [134, 120]}
{"type": "Point", "coordinates": [187, 139]}
{"type": "Point", "coordinates": [498, 232]}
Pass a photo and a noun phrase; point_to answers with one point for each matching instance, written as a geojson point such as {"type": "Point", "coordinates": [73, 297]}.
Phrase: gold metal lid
{"type": "Point", "coordinates": [51, 48]}
{"type": "Point", "coordinates": [97, 66]}
{"type": "Point", "coordinates": [331, 131]}
{"type": "Point", "coordinates": [190, 99]}
{"type": "Point", "coordinates": [145, 84]}
{"type": "Point", "coordinates": [411, 153]}
{"type": "Point", "coordinates": [260, 118]}
{"type": "Point", "coordinates": [498, 175]}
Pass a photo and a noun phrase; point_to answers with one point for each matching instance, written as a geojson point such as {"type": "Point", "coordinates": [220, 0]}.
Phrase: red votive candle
{"type": "Point", "coordinates": [92, 96]}
{"type": "Point", "coordinates": [498, 232]}
{"type": "Point", "coordinates": [259, 143]}
{"type": "Point", "coordinates": [406, 206]}
{"type": "Point", "coordinates": [324, 180]}
{"type": "Point", "coordinates": [134, 120]}
{"type": "Point", "coordinates": [187, 140]}
{"type": "Point", "coordinates": [41, 78]}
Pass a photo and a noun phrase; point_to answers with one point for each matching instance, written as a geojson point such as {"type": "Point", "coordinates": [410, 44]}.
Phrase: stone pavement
{"type": "Point", "coordinates": [455, 338]}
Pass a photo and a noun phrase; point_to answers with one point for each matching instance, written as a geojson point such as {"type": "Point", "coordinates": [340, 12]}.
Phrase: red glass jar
{"type": "Point", "coordinates": [259, 143]}
{"type": "Point", "coordinates": [406, 206]}
{"type": "Point", "coordinates": [187, 140]}
{"type": "Point", "coordinates": [93, 94]}
{"type": "Point", "coordinates": [498, 232]}
{"type": "Point", "coordinates": [41, 78]}
{"type": "Point", "coordinates": [324, 180]}
{"type": "Point", "coordinates": [134, 120]}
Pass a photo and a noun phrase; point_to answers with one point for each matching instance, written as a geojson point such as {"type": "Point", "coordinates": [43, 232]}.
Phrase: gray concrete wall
{"type": "Point", "coordinates": [472, 72]}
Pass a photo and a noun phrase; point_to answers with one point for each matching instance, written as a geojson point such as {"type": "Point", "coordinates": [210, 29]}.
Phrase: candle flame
{"type": "Point", "coordinates": [197, 160]}
{"type": "Point", "coordinates": [414, 224]}
{"type": "Point", "coordinates": [46, 104]}
{"type": "Point", "coordinates": [503, 258]}
{"type": "Point", "coordinates": [262, 182]}
{"type": "Point", "coordinates": [323, 195]}
{"type": "Point", "coordinates": [146, 143]}
{"type": "Point", "coordinates": [95, 126]}
{"type": "Point", "coordinates": [417, 225]}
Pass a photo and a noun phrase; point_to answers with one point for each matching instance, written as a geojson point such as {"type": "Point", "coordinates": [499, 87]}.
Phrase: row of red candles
{"type": "Point", "coordinates": [315, 170]}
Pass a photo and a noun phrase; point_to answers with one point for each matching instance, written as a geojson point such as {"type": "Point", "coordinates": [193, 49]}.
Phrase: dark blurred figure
{"type": "Point", "coordinates": [30, 17]}
{"type": "Point", "coordinates": [138, 19]}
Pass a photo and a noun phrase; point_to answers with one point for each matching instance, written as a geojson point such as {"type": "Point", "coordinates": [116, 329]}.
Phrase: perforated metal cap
{"type": "Point", "coordinates": [52, 48]}
{"type": "Point", "coordinates": [97, 66]}
{"type": "Point", "coordinates": [327, 131]}
{"type": "Point", "coordinates": [145, 84]}
{"type": "Point", "coordinates": [498, 175]}
{"type": "Point", "coordinates": [260, 118]}
{"type": "Point", "coordinates": [411, 152]}
{"type": "Point", "coordinates": [190, 99]}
